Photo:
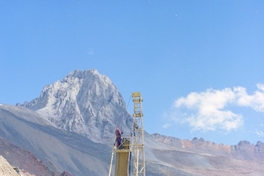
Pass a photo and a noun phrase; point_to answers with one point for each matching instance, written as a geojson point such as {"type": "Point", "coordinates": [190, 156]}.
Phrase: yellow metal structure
{"type": "Point", "coordinates": [138, 137]}
{"type": "Point", "coordinates": [122, 158]}
{"type": "Point", "coordinates": [123, 152]}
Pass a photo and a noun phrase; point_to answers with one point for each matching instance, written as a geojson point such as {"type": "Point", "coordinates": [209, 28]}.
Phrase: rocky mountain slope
{"type": "Point", "coordinates": [23, 160]}
{"type": "Point", "coordinates": [70, 127]}
{"type": "Point", "coordinates": [84, 102]}
{"type": "Point", "coordinates": [244, 150]}
{"type": "Point", "coordinates": [200, 157]}
{"type": "Point", "coordinates": [58, 150]}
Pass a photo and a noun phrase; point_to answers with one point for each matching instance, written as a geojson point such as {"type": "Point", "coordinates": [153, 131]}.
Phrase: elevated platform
{"type": "Point", "coordinates": [123, 158]}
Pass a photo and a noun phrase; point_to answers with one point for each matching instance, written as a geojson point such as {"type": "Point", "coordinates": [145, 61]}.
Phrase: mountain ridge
{"type": "Point", "coordinates": [84, 102]}
{"type": "Point", "coordinates": [71, 125]}
{"type": "Point", "coordinates": [243, 150]}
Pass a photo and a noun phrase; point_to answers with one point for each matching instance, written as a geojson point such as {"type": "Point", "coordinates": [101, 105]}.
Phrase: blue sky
{"type": "Point", "coordinates": [198, 64]}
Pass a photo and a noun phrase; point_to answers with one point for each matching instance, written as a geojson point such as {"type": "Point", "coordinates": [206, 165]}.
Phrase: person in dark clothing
{"type": "Point", "coordinates": [118, 137]}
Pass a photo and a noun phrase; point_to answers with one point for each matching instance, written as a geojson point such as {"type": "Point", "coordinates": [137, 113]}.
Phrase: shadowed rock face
{"type": "Point", "coordinates": [247, 151]}
{"type": "Point", "coordinates": [259, 150]}
{"type": "Point", "coordinates": [243, 150]}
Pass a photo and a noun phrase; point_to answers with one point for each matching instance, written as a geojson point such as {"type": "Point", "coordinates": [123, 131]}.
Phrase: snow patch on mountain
{"type": "Point", "coordinates": [85, 102]}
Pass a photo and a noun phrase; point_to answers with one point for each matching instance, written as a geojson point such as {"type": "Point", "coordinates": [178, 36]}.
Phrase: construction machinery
{"type": "Point", "coordinates": [129, 150]}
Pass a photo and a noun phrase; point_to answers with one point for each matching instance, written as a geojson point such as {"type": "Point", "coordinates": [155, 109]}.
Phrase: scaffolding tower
{"type": "Point", "coordinates": [124, 150]}
{"type": "Point", "coordinates": [138, 137]}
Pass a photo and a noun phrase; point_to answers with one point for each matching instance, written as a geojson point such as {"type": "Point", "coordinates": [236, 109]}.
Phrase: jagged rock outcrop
{"type": "Point", "coordinates": [85, 102]}
{"type": "Point", "coordinates": [244, 150]}
{"type": "Point", "coordinates": [259, 150]}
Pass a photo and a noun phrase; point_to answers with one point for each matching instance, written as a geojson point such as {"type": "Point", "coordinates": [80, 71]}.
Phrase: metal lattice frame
{"type": "Point", "coordinates": [138, 137]}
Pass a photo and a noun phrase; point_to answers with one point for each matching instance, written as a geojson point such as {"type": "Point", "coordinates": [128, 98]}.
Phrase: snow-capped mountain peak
{"type": "Point", "coordinates": [85, 102]}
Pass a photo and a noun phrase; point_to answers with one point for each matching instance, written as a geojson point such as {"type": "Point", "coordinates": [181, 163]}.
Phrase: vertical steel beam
{"type": "Point", "coordinates": [138, 136]}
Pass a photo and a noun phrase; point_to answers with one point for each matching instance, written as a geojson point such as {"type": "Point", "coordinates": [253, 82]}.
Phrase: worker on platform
{"type": "Point", "coordinates": [118, 138]}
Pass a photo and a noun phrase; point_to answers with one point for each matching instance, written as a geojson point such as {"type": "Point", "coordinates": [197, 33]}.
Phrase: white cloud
{"type": "Point", "coordinates": [255, 101]}
{"type": "Point", "coordinates": [210, 108]}
{"type": "Point", "coordinates": [259, 133]}
{"type": "Point", "coordinates": [260, 87]}
{"type": "Point", "coordinates": [167, 125]}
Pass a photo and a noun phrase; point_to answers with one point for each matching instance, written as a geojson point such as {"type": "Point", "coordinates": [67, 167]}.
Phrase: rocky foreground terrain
{"type": "Point", "coordinates": [69, 130]}
{"type": "Point", "coordinates": [6, 169]}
